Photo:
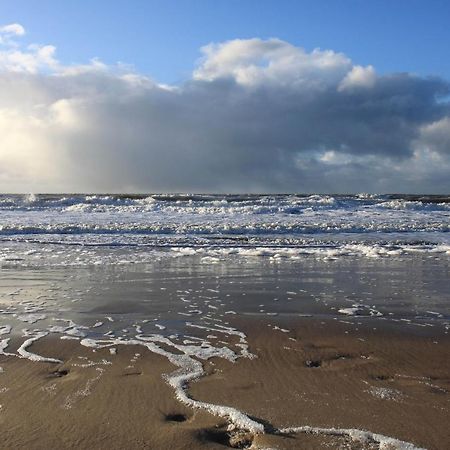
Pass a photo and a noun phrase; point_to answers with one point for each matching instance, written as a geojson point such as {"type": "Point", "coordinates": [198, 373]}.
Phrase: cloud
{"type": "Point", "coordinates": [254, 62]}
{"type": "Point", "coordinates": [257, 115]}
{"type": "Point", "coordinates": [35, 59]}
{"type": "Point", "coordinates": [15, 59]}
{"type": "Point", "coordinates": [8, 32]}
{"type": "Point", "coordinates": [435, 136]}
{"type": "Point", "coordinates": [358, 77]}
{"type": "Point", "coordinates": [12, 29]}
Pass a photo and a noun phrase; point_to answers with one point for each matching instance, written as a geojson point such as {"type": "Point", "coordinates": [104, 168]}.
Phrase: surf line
{"type": "Point", "coordinates": [22, 351]}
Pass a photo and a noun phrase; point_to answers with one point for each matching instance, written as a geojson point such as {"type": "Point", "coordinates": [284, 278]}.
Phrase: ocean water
{"type": "Point", "coordinates": [362, 255]}
{"type": "Point", "coordinates": [35, 228]}
{"type": "Point", "coordinates": [174, 271]}
{"type": "Point", "coordinates": [355, 255]}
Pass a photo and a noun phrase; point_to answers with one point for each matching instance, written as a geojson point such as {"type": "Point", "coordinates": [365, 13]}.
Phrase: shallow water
{"type": "Point", "coordinates": [166, 294]}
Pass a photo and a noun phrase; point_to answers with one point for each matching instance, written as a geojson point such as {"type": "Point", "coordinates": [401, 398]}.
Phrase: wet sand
{"type": "Point", "coordinates": [392, 380]}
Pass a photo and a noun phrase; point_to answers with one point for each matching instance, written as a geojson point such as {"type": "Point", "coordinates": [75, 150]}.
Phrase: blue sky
{"type": "Point", "coordinates": [162, 38]}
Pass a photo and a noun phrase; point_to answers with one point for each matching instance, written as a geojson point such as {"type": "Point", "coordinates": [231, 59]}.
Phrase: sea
{"type": "Point", "coordinates": [277, 238]}
{"type": "Point", "coordinates": [33, 226]}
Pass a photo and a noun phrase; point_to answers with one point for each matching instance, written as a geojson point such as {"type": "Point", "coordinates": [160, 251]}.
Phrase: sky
{"type": "Point", "coordinates": [225, 96]}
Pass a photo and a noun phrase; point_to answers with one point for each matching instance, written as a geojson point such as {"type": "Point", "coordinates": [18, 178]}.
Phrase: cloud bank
{"type": "Point", "coordinates": [256, 116]}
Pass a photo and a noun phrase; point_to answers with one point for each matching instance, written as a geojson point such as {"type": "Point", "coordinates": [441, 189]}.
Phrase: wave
{"type": "Point", "coordinates": [252, 202]}
{"type": "Point", "coordinates": [197, 219]}
{"type": "Point", "coordinates": [223, 229]}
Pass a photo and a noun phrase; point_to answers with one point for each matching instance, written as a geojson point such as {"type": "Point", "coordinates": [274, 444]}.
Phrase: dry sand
{"type": "Point", "coordinates": [393, 381]}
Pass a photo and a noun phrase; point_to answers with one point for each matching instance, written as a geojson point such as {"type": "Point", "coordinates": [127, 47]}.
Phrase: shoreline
{"type": "Point", "coordinates": [312, 373]}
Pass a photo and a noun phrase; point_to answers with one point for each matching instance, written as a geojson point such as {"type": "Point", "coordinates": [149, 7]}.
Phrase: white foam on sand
{"type": "Point", "coordinates": [71, 399]}
{"type": "Point", "coordinates": [5, 329]}
{"type": "Point", "coordinates": [30, 318]}
{"type": "Point", "coordinates": [71, 329]}
{"type": "Point", "coordinates": [189, 369]}
{"type": "Point", "coordinates": [350, 311]}
{"type": "Point", "coordinates": [22, 350]}
{"type": "Point", "coordinates": [283, 330]}
{"type": "Point", "coordinates": [3, 346]}
{"type": "Point", "coordinates": [385, 393]}
{"type": "Point", "coordinates": [360, 310]}
{"type": "Point", "coordinates": [365, 437]}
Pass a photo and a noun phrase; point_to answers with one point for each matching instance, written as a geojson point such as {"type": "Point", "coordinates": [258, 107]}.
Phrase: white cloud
{"type": "Point", "coordinates": [257, 115]}
{"type": "Point", "coordinates": [13, 29]}
{"type": "Point", "coordinates": [255, 61]}
{"type": "Point", "coordinates": [359, 76]}
{"type": "Point", "coordinates": [32, 60]}
{"type": "Point", "coordinates": [336, 158]}
{"type": "Point", "coordinates": [95, 65]}
{"type": "Point", "coordinates": [9, 32]}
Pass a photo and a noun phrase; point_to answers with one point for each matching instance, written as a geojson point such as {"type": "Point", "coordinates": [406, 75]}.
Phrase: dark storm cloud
{"type": "Point", "coordinates": [256, 116]}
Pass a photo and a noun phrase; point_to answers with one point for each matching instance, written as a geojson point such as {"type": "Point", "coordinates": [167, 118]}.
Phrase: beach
{"type": "Point", "coordinates": [224, 225]}
{"type": "Point", "coordinates": [120, 333]}
{"type": "Point", "coordinates": [388, 381]}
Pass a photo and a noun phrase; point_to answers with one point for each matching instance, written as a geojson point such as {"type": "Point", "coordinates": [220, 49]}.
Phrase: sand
{"type": "Point", "coordinates": [389, 381]}
{"type": "Point", "coordinates": [394, 381]}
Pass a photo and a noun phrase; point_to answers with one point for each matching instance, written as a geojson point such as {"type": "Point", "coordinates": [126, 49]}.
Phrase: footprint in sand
{"type": "Point", "coordinates": [230, 439]}
{"type": "Point", "coordinates": [337, 361]}
{"type": "Point", "coordinates": [176, 417]}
